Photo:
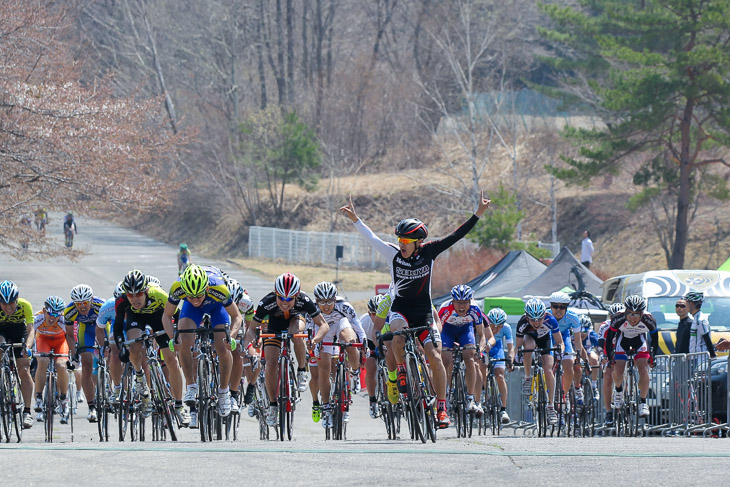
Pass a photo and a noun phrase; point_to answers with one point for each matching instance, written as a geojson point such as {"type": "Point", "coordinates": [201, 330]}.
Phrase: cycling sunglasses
{"type": "Point", "coordinates": [559, 306]}
{"type": "Point", "coordinates": [326, 302]}
{"type": "Point", "coordinates": [406, 241]}
{"type": "Point", "coordinates": [286, 300]}
{"type": "Point", "coordinates": [54, 314]}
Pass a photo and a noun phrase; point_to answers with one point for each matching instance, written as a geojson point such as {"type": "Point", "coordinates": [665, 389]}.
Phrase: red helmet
{"type": "Point", "coordinates": [287, 285]}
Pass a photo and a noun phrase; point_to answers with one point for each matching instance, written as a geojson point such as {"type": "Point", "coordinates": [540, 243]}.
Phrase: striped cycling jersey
{"type": "Point", "coordinates": [71, 313]}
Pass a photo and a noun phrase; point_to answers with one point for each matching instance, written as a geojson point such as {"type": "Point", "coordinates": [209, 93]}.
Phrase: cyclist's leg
{"type": "Point", "coordinates": [218, 319]}
{"type": "Point", "coordinates": [529, 344]}
{"type": "Point", "coordinates": [324, 369]}
{"type": "Point", "coordinates": [468, 342]}
{"type": "Point", "coordinates": [547, 365]}
{"type": "Point", "coordinates": [499, 369]}
{"type": "Point", "coordinates": [436, 364]}
{"type": "Point", "coordinates": [348, 335]}
{"type": "Point", "coordinates": [642, 364]}
{"type": "Point", "coordinates": [40, 374]}
{"type": "Point", "coordinates": [190, 318]}
{"type": "Point", "coordinates": [272, 349]}
{"type": "Point", "coordinates": [87, 338]}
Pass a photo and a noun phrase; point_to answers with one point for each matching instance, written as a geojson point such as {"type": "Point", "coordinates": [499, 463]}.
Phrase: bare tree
{"type": "Point", "coordinates": [64, 143]}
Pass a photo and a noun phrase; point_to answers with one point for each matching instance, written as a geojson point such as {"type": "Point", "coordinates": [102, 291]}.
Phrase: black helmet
{"type": "Point", "coordinates": [634, 303]}
{"type": "Point", "coordinates": [411, 228]}
{"type": "Point", "coordinates": [134, 282]}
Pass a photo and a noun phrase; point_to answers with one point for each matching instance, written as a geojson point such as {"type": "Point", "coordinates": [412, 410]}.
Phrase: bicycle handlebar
{"type": "Point", "coordinates": [143, 337]}
{"type": "Point", "coordinates": [274, 335]}
{"type": "Point", "coordinates": [341, 344]}
{"type": "Point", "coordinates": [541, 350]}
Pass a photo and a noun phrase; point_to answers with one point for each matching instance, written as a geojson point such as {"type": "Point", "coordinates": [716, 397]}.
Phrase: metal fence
{"type": "Point", "coordinates": [680, 398]}
{"type": "Point", "coordinates": [319, 248]}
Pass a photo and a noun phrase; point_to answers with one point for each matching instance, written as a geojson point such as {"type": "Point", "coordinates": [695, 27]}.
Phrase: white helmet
{"type": "Point", "coordinates": [559, 297]}
{"type": "Point", "coordinates": [82, 292]}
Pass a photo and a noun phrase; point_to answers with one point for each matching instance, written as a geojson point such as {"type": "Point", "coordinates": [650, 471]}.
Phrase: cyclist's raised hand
{"type": "Point", "coordinates": [483, 204]}
{"type": "Point", "coordinates": [349, 211]}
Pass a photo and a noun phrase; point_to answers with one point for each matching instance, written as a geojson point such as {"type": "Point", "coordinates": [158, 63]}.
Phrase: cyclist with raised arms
{"type": "Point", "coordinates": [50, 334]}
{"type": "Point", "coordinates": [538, 329]}
{"type": "Point", "coordinates": [569, 325]}
{"type": "Point", "coordinates": [245, 307]}
{"type": "Point", "coordinates": [287, 308]}
{"type": "Point", "coordinates": [607, 389]}
{"type": "Point", "coordinates": [632, 329]}
{"type": "Point", "coordinates": [461, 318]}
{"type": "Point", "coordinates": [84, 310]}
{"type": "Point", "coordinates": [502, 332]}
{"type": "Point", "coordinates": [344, 326]}
{"type": "Point", "coordinates": [411, 263]}
{"type": "Point", "coordinates": [104, 328]}
{"type": "Point", "coordinates": [142, 305]}
{"type": "Point", "coordinates": [16, 326]}
{"type": "Point", "coordinates": [203, 290]}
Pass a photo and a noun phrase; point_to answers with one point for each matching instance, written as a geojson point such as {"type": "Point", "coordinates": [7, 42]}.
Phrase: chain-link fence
{"type": "Point", "coordinates": [320, 248]}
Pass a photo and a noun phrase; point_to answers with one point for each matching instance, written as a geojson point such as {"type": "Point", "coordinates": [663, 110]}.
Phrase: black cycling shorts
{"type": "Point", "coordinates": [140, 321]}
{"type": "Point", "coordinates": [14, 333]}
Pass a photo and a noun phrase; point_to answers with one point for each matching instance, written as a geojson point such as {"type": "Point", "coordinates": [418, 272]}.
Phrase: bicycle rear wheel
{"type": "Point", "coordinates": [458, 402]}
{"type": "Point", "coordinates": [588, 418]}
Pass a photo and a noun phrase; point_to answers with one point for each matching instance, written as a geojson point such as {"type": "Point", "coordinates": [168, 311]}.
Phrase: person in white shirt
{"type": "Point", "coordinates": [586, 249]}
{"type": "Point", "coordinates": [699, 332]}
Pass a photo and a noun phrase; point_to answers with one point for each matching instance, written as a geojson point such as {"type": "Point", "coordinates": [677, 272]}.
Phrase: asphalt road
{"type": "Point", "coordinates": [366, 457]}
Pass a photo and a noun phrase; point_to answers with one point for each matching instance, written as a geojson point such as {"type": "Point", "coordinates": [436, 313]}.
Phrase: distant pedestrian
{"type": "Point", "coordinates": [683, 327]}
{"type": "Point", "coordinates": [586, 249]}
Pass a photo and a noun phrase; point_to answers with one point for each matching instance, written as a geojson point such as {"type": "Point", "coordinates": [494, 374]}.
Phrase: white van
{"type": "Point", "coordinates": [662, 289]}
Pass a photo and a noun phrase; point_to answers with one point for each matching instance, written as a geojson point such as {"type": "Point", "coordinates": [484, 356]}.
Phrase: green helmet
{"type": "Point", "coordinates": [183, 246]}
{"type": "Point", "coordinates": [194, 281]}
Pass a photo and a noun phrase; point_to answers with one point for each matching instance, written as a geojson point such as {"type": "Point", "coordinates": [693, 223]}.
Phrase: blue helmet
{"type": "Point", "coordinates": [534, 309]}
{"type": "Point", "coordinates": [8, 291]}
{"type": "Point", "coordinates": [54, 305]}
{"type": "Point", "coordinates": [496, 316]}
{"type": "Point", "coordinates": [462, 292]}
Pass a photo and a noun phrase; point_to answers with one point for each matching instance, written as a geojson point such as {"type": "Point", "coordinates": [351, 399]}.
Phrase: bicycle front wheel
{"type": "Point", "coordinates": [415, 400]}
{"type": "Point", "coordinates": [205, 419]}
{"type": "Point", "coordinates": [50, 405]}
{"type": "Point", "coordinates": [16, 397]}
{"type": "Point", "coordinates": [6, 413]}
{"type": "Point", "coordinates": [494, 406]}
{"type": "Point", "coordinates": [102, 407]}
{"type": "Point", "coordinates": [126, 403]}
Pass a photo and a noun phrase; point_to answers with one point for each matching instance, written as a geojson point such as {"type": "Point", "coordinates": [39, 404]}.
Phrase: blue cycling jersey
{"type": "Point", "coordinates": [106, 313]}
{"type": "Point", "coordinates": [502, 336]}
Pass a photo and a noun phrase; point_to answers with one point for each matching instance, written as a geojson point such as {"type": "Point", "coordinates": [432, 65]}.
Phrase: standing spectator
{"type": "Point", "coordinates": [683, 328]}
{"type": "Point", "coordinates": [586, 249]}
{"type": "Point", "coordinates": [699, 334]}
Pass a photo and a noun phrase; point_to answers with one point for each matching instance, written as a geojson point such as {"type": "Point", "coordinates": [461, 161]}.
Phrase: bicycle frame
{"type": "Point", "coordinates": [287, 398]}
{"type": "Point", "coordinates": [340, 394]}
